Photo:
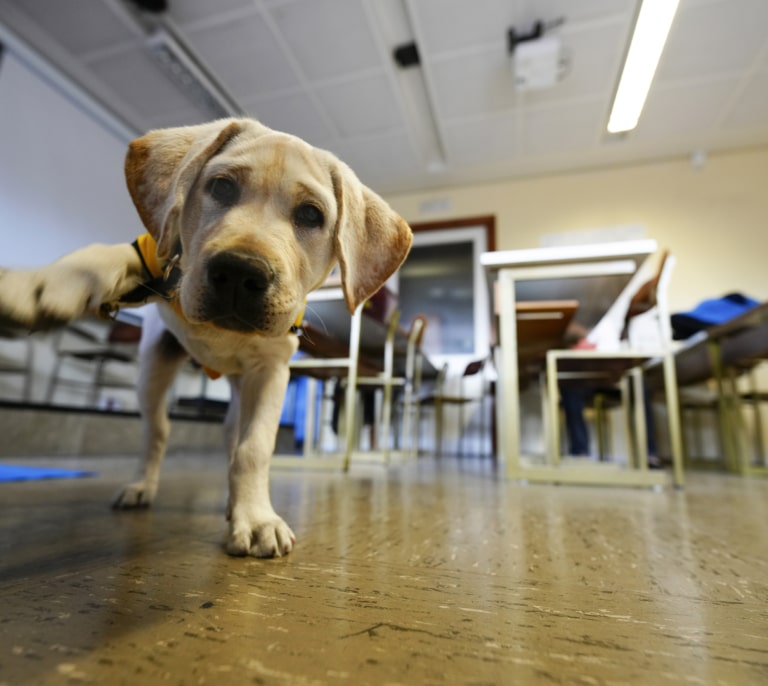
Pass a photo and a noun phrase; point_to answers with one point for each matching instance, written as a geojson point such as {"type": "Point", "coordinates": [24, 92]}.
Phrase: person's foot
{"type": "Point", "coordinates": [654, 462]}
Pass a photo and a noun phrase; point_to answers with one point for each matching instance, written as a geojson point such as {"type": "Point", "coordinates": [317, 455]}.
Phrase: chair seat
{"type": "Point", "coordinates": [593, 368]}
{"type": "Point", "coordinates": [447, 399]}
{"type": "Point", "coordinates": [105, 355]}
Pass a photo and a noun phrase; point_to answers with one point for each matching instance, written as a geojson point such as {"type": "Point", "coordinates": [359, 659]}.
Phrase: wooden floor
{"type": "Point", "coordinates": [429, 573]}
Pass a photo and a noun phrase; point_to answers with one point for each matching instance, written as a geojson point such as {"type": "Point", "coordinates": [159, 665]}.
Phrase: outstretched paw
{"type": "Point", "coordinates": [270, 537]}
{"type": "Point", "coordinates": [43, 299]}
{"type": "Point", "coordinates": [134, 496]}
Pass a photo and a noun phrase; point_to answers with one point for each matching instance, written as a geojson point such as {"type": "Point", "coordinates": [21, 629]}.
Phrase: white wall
{"type": "Point", "coordinates": [713, 218]}
{"type": "Point", "coordinates": [61, 173]}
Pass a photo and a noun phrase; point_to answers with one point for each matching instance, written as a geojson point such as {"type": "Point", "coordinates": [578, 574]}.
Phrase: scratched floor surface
{"type": "Point", "coordinates": [423, 574]}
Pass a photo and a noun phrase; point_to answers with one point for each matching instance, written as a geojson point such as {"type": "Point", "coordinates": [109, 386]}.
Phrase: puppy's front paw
{"type": "Point", "coordinates": [43, 299]}
{"type": "Point", "coordinates": [266, 536]}
{"type": "Point", "coordinates": [134, 496]}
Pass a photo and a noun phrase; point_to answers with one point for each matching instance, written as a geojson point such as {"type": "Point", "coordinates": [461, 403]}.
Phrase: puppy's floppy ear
{"type": "Point", "coordinates": [371, 239]}
{"type": "Point", "coordinates": [161, 167]}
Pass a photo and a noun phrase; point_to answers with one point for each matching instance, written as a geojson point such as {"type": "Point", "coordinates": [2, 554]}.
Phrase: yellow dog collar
{"type": "Point", "coordinates": [146, 246]}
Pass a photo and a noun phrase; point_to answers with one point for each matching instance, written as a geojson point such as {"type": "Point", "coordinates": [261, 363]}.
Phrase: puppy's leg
{"type": "Point", "coordinates": [232, 418]}
{"type": "Point", "coordinates": [254, 527]}
{"type": "Point", "coordinates": [73, 286]}
{"type": "Point", "coordinates": [160, 356]}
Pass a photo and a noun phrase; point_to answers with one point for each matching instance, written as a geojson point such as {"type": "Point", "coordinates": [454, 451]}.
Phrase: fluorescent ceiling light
{"type": "Point", "coordinates": [189, 75]}
{"type": "Point", "coordinates": [651, 29]}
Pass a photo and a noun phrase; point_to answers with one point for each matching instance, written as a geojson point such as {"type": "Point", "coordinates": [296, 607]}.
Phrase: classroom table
{"type": "Point", "coordinates": [722, 353]}
{"type": "Point", "coordinates": [595, 275]}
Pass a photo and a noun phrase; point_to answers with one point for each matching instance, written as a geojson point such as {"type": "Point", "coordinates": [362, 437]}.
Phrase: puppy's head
{"type": "Point", "coordinates": [259, 218]}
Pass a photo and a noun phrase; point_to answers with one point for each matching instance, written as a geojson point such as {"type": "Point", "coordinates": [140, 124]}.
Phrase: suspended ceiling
{"type": "Point", "coordinates": [323, 70]}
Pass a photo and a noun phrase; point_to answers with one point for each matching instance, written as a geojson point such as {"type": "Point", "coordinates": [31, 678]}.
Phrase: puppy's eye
{"type": "Point", "coordinates": [308, 216]}
{"type": "Point", "coordinates": [223, 190]}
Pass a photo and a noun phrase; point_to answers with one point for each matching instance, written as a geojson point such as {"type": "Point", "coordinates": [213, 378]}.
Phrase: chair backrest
{"type": "Point", "coordinates": [646, 297]}
{"type": "Point", "coordinates": [124, 332]}
{"type": "Point", "coordinates": [657, 294]}
{"type": "Point", "coordinates": [418, 327]}
{"type": "Point", "coordinates": [665, 321]}
{"type": "Point", "coordinates": [413, 361]}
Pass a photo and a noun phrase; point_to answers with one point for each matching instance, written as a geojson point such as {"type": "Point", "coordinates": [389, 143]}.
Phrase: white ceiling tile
{"type": "Point", "coordinates": [450, 25]}
{"type": "Point", "coordinates": [683, 111]}
{"type": "Point", "coordinates": [245, 56]}
{"type": "Point", "coordinates": [293, 113]}
{"type": "Point", "coordinates": [328, 38]}
{"type": "Point", "coordinates": [135, 77]}
{"type": "Point", "coordinates": [391, 22]}
{"type": "Point", "coordinates": [361, 106]}
{"type": "Point", "coordinates": [563, 128]}
{"type": "Point", "coordinates": [483, 141]}
{"type": "Point", "coordinates": [577, 12]}
{"type": "Point", "coordinates": [188, 116]}
{"type": "Point", "coordinates": [750, 109]}
{"type": "Point", "coordinates": [80, 26]}
{"type": "Point", "coordinates": [377, 161]}
{"type": "Point", "coordinates": [473, 84]}
{"type": "Point", "coordinates": [714, 38]}
{"type": "Point", "coordinates": [198, 11]}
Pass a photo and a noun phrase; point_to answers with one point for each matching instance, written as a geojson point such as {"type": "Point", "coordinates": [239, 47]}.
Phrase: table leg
{"type": "Point", "coordinates": [509, 405]}
{"type": "Point", "coordinates": [351, 396]}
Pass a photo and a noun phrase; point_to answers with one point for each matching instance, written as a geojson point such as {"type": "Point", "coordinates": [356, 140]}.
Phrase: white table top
{"type": "Point", "coordinates": [546, 273]}
{"type": "Point", "coordinates": [592, 252]}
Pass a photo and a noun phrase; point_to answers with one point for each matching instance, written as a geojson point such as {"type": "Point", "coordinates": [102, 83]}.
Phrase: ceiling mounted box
{"type": "Point", "coordinates": [536, 64]}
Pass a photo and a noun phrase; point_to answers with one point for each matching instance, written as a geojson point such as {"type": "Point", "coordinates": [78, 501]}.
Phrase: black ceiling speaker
{"type": "Point", "coordinates": [154, 6]}
{"type": "Point", "coordinates": [407, 55]}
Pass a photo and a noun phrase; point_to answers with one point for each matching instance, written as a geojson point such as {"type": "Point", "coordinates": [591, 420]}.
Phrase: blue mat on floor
{"type": "Point", "coordinates": [12, 472]}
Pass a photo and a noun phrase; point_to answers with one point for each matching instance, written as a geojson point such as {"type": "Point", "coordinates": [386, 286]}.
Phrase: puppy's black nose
{"type": "Point", "coordinates": [237, 286]}
{"type": "Point", "coordinates": [236, 276]}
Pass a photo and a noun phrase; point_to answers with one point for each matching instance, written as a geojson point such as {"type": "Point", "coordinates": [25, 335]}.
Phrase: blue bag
{"type": "Point", "coordinates": [710, 313]}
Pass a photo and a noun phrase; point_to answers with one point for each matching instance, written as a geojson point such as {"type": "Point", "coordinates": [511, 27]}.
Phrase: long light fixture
{"type": "Point", "coordinates": [651, 29]}
{"type": "Point", "coordinates": [190, 75]}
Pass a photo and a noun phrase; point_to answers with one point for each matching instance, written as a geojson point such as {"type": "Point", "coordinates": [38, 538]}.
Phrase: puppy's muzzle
{"type": "Point", "coordinates": [238, 285]}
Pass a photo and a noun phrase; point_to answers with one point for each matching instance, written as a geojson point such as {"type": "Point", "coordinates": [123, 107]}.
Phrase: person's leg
{"type": "Point", "coordinates": [654, 461]}
{"type": "Point", "coordinates": [573, 400]}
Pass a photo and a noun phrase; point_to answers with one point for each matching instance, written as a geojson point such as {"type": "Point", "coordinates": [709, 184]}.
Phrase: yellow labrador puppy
{"type": "Point", "coordinates": [242, 223]}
